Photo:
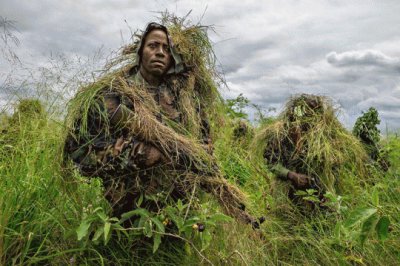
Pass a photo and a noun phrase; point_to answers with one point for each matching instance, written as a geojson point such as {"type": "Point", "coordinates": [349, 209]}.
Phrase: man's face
{"type": "Point", "coordinates": [156, 57]}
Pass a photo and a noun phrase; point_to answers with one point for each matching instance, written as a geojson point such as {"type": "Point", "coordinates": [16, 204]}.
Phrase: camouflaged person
{"type": "Point", "coordinates": [309, 147]}
{"type": "Point", "coordinates": [285, 154]}
{"type": "Point", "coordinates": [131, 163]}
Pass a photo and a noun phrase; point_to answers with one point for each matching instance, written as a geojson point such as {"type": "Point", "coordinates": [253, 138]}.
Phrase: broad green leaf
{"type": "Point", "coordinates": [102, 216]}
{"type": "Point", "coordinates": [382, 228]}
{"type": "Point", "coordinates": [107, 234]}
{"type": "Point", "coordinates": [301, 193]}
{"type": "Point", "coordinates": [157, 242]}
{"type": "Point", "coordinates": [312, 199]}
{"type": "Point", "coordinates": [148, 228]}
{"type": "Point", "coordinates": [187, 227]}
{"type": "Point", "coordinates": [175, 218]}
{"type": "Point", "coordinates": [311, 191]}
{"type": "Point", "coordinates": [358, 216]}
{"type": "Point", "coordinates": [180, 205]}
{"type": "Point", "coordinates": [187, 231]}
{"type": "Point", "coordinates": [98, 233]}
{"type": "Point", "coordinates": [142, 221]}
{"type": "Point", "coordinates": [219, 217]}
{"type": "Point", "coordinates": [83, 229]}
{"type": "Point", "coordinates": [368, 226]}
{"type": "Point", "coordinates": [160, 226]}
{"type": "Point", "coordinates": [192, 220]}
{"type": "Point", "coordinates": [140, 212]}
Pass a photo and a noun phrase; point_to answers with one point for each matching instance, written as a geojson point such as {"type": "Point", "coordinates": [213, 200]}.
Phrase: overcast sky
{"type": "Point", "coordinates": [348, 50]}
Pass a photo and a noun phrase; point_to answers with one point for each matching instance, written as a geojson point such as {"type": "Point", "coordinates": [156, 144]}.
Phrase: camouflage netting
{"type": "Point", "coordinates": [308, 138]}
{"type": "Point", "coordinates": [191, 163]}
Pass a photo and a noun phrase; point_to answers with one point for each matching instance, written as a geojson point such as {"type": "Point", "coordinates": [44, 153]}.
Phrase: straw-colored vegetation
{"type": "Point", "coordinates": [51, 215]}
{"type": "Point", "coordinates": [308, 138]}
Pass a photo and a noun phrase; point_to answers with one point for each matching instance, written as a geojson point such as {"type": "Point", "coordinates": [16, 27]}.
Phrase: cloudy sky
{"type": "Point", "coordinates": [346, 49]}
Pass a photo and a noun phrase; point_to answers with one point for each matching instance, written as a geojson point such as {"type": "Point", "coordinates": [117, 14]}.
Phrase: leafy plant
{"type": "Point", "coordinates": [98, 227]}
{"type": "Point", "coordinates": [235, 106]}
{"type": "Point", "coordinates": [367, 131]}
{"type": "Point", "coordinates": [200, 225]}
{"type": "Point", "coordinates": [364, 221]}
{"type": "Point", "coordinates": [102, 225]}
{"type": "Point", "coordinates": [366, 128]}
{"type": "Point", "coordinates": [310, 195]}
{"type": "Point", "coordinates": [335, 203]}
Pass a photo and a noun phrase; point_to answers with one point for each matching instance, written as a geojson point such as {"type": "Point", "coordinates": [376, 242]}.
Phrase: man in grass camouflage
{"type": "Point", "coordinates": [286, 159]}
{"type": "Point", "coordinates": [320, 153]}
{"type": "Point", "coordinates": [283, 160]}
{"type": "Point", "coordinates": [129, 165]}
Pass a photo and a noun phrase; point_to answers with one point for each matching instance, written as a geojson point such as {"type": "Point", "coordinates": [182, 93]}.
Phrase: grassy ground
{"type": "Point", "coordinates": [43, 204]}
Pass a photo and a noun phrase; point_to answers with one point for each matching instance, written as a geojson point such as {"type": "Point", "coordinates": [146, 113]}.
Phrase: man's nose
{"type": "Point", "coordinates": [161, 51]}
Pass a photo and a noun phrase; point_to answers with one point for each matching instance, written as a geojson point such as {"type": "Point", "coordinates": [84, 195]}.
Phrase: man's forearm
{"type": "Point", "coordinates": [280, 171]}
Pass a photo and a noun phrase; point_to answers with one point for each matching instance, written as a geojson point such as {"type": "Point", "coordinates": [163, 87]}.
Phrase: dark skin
{"type": "Point", "coordinates": [299, 181]}
{"type": "Point", "coordinates": [155, 61]}
{"type": "Point", "coordinates": [156, 58]}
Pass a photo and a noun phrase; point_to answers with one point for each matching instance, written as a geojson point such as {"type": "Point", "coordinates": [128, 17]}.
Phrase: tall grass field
{"type": "Point", "coordinates": [50, 215]}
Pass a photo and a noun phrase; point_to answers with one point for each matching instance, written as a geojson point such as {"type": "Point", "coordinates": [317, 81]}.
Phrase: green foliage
{"type": "Point", "coordinates": [309, 195]}
{"type": "Point", "coordinates": [51, 215]}
{"type": "Point", "coordinates": [335, 203]}
{"type": "Point", "coordinates": [382, 228]}
{"type": "Point", "coordinates": [97, 227]}
{"type": "Point", "coordinates": [366, 128]}
{"type": "Point", "coordinates": [364, 222]}
{"type": "Point", "coordinates": [367, 131]}
{"type": "Point", "coordinates": [102, 225]}
{"type": "Point", "coordinates": [235, 107]}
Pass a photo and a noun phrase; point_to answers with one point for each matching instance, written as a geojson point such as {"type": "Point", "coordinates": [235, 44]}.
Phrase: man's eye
{"type": "Point", "coordinates": [152, 45]}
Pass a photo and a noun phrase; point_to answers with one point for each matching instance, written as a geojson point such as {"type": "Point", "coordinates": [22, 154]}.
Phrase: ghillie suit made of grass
{"type": "Point", "coordinates": [189, 166]}
{"type": "Point", "coordinates": [308, 138]}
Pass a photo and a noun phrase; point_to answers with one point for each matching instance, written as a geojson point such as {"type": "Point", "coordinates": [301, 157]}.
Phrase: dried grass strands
{"type": "Point", "coordinates": [309, 138]}
{"type": "Point", "coordinates": [145, 125]}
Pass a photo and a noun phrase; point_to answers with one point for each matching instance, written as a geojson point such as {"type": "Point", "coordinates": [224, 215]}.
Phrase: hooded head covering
{"type": "Point", "coordinates": [177, 66]}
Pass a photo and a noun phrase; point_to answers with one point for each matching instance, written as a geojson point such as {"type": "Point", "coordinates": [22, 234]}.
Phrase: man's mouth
{"type": "Point", "coordinates": [157, 62]}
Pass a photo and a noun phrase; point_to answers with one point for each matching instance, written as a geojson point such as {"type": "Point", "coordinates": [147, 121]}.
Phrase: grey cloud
{"type": "Point", "coordinates": [363, 58]}
{"type": "Point", "coordinates": [396, 93]}
{"type": "Point", "coordinates": [393, 115]}
{"type": "Point", "coordinates": [237, 54]}
{"type": "Point", "coordinates": [268, 50]}
{"type": "Point", "coordinates": [386, 102]}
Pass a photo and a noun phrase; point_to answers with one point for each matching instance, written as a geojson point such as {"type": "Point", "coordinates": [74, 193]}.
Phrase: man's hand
{"type": "Point", "coordinates": [154, 156]}
{"type": "Point", "coordinates": [299, 181]}
{"type": "Point", "coordinates": [146, 155]}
